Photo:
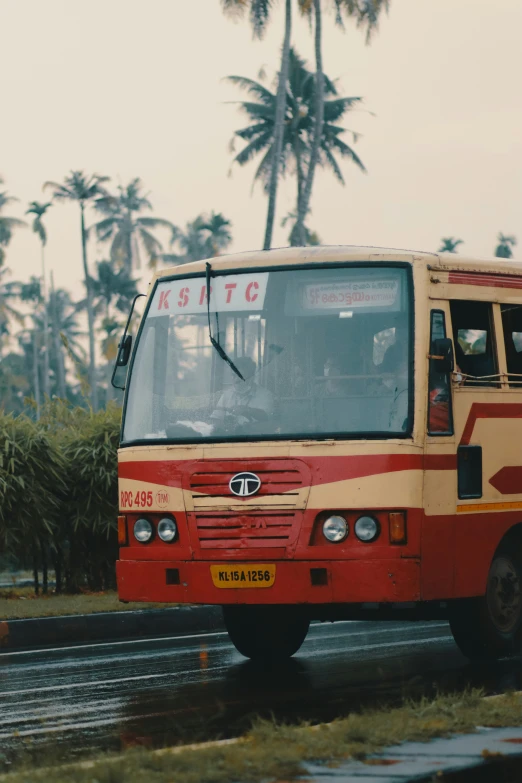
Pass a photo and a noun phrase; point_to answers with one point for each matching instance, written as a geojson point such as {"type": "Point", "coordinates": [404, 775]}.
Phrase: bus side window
{"type": "Point", "coordinates": [512, 323]}
{"type": "Point", "coordinates": [440, 419]}
{"type": "Point", "coordinates": [474, 342]}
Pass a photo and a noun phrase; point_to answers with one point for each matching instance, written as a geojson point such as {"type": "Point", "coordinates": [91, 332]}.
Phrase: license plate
{"type": "Point", "coordinates": [255, 575]}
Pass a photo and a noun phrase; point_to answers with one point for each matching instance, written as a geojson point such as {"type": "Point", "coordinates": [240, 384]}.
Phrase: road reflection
{"type": "Point", "coordinates": [165, 692]}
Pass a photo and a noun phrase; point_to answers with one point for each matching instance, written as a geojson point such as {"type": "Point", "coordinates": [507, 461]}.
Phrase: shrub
{"type": "Point", "coordinates": [31, 482]}
{"type": "Point", "coordinates": [89, 445]}
{"type": "Point", "coordinates": [58, 492]}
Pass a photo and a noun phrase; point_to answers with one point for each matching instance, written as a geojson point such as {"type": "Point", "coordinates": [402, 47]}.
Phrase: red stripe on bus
{"type": "Point", "coordinates": [489, 410]}
{"type": "Point", "coordinates": [477, 278]}
{"type": "Point", "coordinates": [508, 480]}
{"type": "Point", "coordinates": [168, 473]}
{"type": "Point", "coordinates": [324, 470]}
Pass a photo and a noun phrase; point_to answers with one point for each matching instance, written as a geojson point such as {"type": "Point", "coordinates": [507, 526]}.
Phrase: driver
{"type": "Point", "coordinates": [245, 399]}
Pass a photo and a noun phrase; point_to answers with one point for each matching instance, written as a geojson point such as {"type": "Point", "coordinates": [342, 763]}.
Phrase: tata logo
{"type": "Point", "coordinates": [244, 484]}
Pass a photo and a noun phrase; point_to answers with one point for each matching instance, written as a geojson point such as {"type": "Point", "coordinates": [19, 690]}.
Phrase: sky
{"type": "Point", "coordinates": [128, 88]}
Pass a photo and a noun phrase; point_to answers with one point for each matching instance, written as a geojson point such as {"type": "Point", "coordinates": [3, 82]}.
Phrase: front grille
{"type": "Point", "coordinates": [223, 525]}
{"type": "Point", "coordinates": [256, 530]}
{"type": "Point", "coordinates": [279, 487]}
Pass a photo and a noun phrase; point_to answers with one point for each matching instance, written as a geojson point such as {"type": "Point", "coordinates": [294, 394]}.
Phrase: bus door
{"type": "Point", "coordinates": [487, 441]}
{"type": "Point", "coordinates": [479, 403]}
{"type": "Point", "coordinates": [440, 481]}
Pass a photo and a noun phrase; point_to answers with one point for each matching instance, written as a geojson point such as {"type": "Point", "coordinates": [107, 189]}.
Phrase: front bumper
{"type": "Point", "coordinates": [296, 582]}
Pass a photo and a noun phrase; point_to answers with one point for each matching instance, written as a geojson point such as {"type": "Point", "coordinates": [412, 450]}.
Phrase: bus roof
{"type": "Point", "coordinates": [331, 253]}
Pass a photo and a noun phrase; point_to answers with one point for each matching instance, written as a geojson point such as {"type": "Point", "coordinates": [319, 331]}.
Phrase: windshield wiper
{"type": "Point", "coordinates": [215, 343]}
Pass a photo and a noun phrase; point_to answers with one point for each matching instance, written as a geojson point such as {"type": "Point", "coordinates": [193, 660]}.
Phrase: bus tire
{"type": "Point", "coordinates": [268, 633]}
{"type": "Point", "coordinates": [490, 626]}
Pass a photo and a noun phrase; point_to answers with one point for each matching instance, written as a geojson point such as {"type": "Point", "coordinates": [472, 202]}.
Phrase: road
{"type": "Point", "coordinates": [193, 688]}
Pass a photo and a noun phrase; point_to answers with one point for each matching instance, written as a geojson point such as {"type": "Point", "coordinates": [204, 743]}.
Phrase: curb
{"type": "Point", "coordinates": [109, 626]}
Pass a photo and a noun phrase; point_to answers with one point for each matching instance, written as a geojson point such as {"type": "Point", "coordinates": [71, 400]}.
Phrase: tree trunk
{"type": "Point", "coordinates": [90, 315]}
{"type": "Point", "coordinates": [318, 125]}
{"type": "Point", "coordinates": [58, 565]}
{"type": "Point", "coordinates": [57, 345]}
{"type": "Point", "coordinates": [35, 571]}
{"type": "Point", "coordinates": [277, 144]}
{"type": "Point", "coordinates": [46, 379]}
{"type": "Point", "coordinates": [109, 366]}
{"type": "Point", "coordinates": [294, 236]}
{"type": "Point", "coordinates": [128, 241]}
{"type": "Point", "coordinates": [36, 376]}
{"type": "Point", "coordinates": [45, 573]}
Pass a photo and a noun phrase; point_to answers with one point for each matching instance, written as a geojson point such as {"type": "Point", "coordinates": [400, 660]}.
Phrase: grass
{"type": "Point", "coordinates": [18, 603]}
{"type": "Point", "coordinates": [276, 752]}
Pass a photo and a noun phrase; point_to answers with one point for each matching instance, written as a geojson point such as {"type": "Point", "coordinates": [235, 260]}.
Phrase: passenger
{"type": "Point", "coordinates": [395, 367]}
{"type": "Point", "coordinates": [396, 357]}
{"type": "Point", "coordinates": [245, 399]}
{"type": "Point", "coordinates": [335, 386]}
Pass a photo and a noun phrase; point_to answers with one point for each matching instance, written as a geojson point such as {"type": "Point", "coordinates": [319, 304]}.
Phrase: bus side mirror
{"type": "Point", "coordinates": [124, 351]}
{"type": "Point", "coordinates": [442, 355]}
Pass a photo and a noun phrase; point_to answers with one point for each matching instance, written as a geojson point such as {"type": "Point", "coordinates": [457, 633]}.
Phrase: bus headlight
{"type": "Point", "coordinates": [167, 530]}
{"type": "Point", "coordinates": [335, 529]}
{"type": "Point", "coordinates": [367, 529]}
{"type": "Point", "coordinates": [142, 531]}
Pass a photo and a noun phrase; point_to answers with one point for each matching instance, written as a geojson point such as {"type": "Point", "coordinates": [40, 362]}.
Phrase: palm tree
{"type": "Point", "coordinates": [505, 246]}
{"type": "Point", "coordinates": [366, 14]}
{"type": "Point", "coordinates": [66, 333]}
{"type": "Point", "coordinates": [38, 210]}
{"type": "Point", "coordinates": [126, 229]}
{"type": "Point", "coordinates": [259, 17]}
{"type": "Point", "coordinates": [190, 244]}
{"type": "Point", "coordinates": [83, 190]}
{"type": "Point", "coordinates": [15, 384]}
{"type": "Point", "coordinates": [30, 339]}
{"type": "Point", "coordinates": [203, 237]}
{"type": "Point", "coordinates": [298, 128]}
{"type": "Point", "coordinates": [111, 287]}
{"type": "Point", "coordinates": [8, 291]}
{"type": "Point", "coordinates": [7, 224]}
{"type": "Point", "coordinates": [312, 237]}
{"type": "Point", "coordinates": [449, 245]}
{"type": "Point", "coordinates": [219, 234]}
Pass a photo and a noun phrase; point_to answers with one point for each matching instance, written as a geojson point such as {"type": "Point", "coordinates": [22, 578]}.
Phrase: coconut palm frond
{"type": "Point", "coordinates": [153, 246]}
{"type": "Point", "coordinates": [254, 88]}
{"type": "Point", "coordinates": [347, 152]}
{"type": "Point", "coordinates": [328, 159]}
{"type": "Point", "coordinates": [256, 145]}
{"type": "Point", "coordinates": [259, 16]}
{"type": "Point", "coordinates": [152, 222]}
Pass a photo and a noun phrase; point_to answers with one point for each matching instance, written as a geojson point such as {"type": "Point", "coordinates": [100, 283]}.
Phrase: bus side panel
{"type": "Point", "coordinates": [438, 527]}
{"type": "Point", "coordinates": [492, 420]}
{"type": "Point", "coordinates": [438, 561]}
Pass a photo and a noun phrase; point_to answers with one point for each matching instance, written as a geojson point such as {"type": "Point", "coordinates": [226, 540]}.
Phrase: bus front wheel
{"type": "Point", "coordinates": [490, 626]}
{"type": "Point", "coordinates": [266, 632]}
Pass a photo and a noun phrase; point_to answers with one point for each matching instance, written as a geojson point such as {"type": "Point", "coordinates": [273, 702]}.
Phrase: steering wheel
{"type": "Point", "coordinates": [252, 414]}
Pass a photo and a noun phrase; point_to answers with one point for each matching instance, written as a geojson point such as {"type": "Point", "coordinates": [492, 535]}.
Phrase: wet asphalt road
{"type": "Point", "coordinates": [194, 688]}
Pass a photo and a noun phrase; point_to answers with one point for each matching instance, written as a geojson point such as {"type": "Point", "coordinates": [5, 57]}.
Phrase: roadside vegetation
{"type": "Point", "coordinates": [273, 751]}
{"type": "Point", "coordinates": [59, 496]}
{"type": "Point", "coordinates": [22, 603]}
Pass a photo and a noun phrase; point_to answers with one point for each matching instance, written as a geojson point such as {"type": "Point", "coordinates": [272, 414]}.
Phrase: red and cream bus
{"type": "Point", "coordinates": [327, 433]}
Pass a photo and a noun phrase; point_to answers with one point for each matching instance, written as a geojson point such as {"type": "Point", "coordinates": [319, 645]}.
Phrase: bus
{"type": "Point", "coordinates": [327, 433]}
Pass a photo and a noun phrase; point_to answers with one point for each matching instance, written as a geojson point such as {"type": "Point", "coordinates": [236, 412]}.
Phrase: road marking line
{"type": "Point", "coordinates": [428, 623]}
{"type": "Point", "coordinates": [115, 644]}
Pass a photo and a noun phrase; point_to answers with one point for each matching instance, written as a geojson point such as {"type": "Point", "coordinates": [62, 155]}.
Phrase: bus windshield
{"type": "Point", "coordinates": [302, 353]}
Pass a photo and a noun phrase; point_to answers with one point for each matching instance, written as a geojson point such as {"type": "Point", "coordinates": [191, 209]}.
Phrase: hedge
{"type": "Point", "coordinates": [58, 494]}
